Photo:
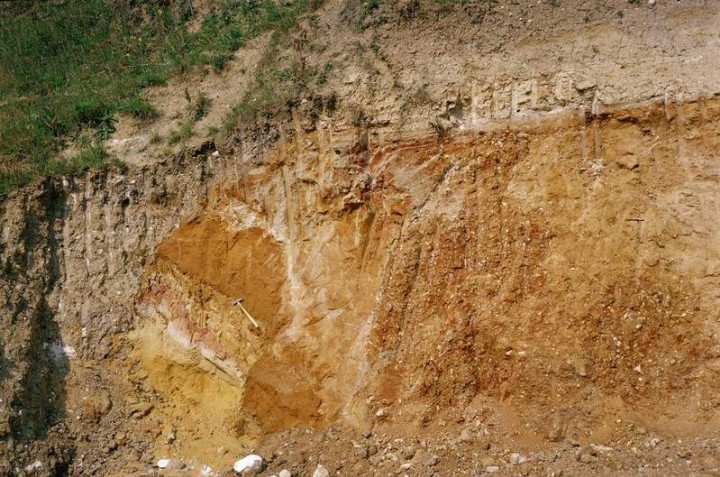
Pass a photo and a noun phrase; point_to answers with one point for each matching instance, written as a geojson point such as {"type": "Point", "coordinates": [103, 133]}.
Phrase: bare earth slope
{"type": "Point", "coordinates": [488, 243]}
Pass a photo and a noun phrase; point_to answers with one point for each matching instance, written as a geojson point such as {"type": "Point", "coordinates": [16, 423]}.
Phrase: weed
{"type": "Point", "coordinates": [272, 87]}
{"type": "Point", "coordinates": [155, 138]}
{"type": "Point", "coordinates": [96, 116]}
{"type": "Point", "coordinates": [322, 76]}
{"type": "Point", "coordinates": [152, 78]}
{"type": "Point", "coordinates": [420, 97]}
{"type": "Point", "coordinates": [16, 174]}
{"type": "Point", "coordinates": [182, 134]}
{"type": "Point", "coordinates": [139, 109]}
{"type": "Point", "coordinates": [201, 107]}
{"type": "Point", "coordinates": [410, 9]}
{"type": "Point", "coordinates": [365, 62]}
{"type": "Point", "coordinates": [378, 52]}
{"type": "Point", "coordinates": [363, 14]}
{"type": "Point", "coordinates": [219, 61]}
{"type": "Point", "coordinates": [93, 156]}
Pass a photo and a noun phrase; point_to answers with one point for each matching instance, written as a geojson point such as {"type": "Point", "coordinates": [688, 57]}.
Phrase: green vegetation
{"type": "Point", "coordinates": [139, 109]}
{"type": "Point", "coordinates": [200, 107]}
{"type": "Point", "coordinates": [277, 81]}
{"type": "Point", "coordinates": [67, 68]}
{"type": "Point", "coordinates": [156, 138]}
{"type": "Point", "coordinates": [182, 134]}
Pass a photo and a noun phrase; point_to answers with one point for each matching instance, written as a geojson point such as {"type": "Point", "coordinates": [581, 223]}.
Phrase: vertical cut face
{"type": "Point", "coordinates": [565, 268]}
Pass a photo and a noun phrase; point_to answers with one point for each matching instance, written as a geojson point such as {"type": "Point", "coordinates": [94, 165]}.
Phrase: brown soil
{"type": "Point", "coordinates": [470, 279]}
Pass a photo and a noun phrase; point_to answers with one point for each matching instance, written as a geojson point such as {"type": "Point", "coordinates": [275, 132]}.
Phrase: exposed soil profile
{"type": "Point", "coordinates": [556, 276]}
{"type": "Point", "coordinates": [412, 238]}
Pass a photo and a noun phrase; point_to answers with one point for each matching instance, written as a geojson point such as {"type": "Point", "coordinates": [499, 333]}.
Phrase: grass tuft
{"type": "Point", "coordinates": [181, 135]}
{"type": "Point", "coordinates": [201, 107]}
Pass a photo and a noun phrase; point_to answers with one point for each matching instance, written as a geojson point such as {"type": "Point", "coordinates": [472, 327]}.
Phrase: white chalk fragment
{"type": "Point", "coordinates": [34, 466]}
{"type": "Point", "coordinates": [321, 471]}
{"type": "Point", "coordinates": [170, 464]}
{"type": "Point", "coordinates": [252, 461]}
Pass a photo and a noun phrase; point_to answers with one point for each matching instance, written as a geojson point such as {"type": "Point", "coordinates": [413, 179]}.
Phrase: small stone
{"type": "Point", "coordinates": [285, 473]}
{"type": "Point", "coordinates": [432, 461]}
{"type": "Point", "coordinates": [601, 449]}
{"type": "Point", "coordinates": [442, 125]}
{"type": "Point", "coordinates": [517, 459]}
{"type": "Point", "coordinates": [252, 462]}
{"type": "Point", "coordinates": [581, 367]}
{"type": "Point", "coordinates": [492, 469]}
{"type": "Point", "coordinates": [170, 464]}
{"type": "Point", "coordinates": [652, 443]}
{"type": "Point", "coordinates": [104, 403]}
{"type": "Point", "coordinates": [651, 2]}
{"type": "Point", "coordinates": [405, 466]}
{"type": "Point", "coordinates": [586, 454]}
{"type": "Point", "coordinates": [684, 454]}
{"type": "Point", "coordinates": [96, 407]}
{"type": "Point", "coordinates": [367, 434]}
{"type": "Point", "coordinates": [321, 471]}
{"type": "Point", "coordinates": [215, 154]}
{"type": "Point", "coordinates": [141, 410]}
{"type": "Point", "coordinates": [628, 161]}
{"type": "Point", "coordinates": [363, 452]}
{"type": "Point", "coordinates": [585, 84]}
{"type": "Point", "coordinates": [170, 435]}
{"type": "Point", "coordinates": [33, 467]}
{"type": "Point", "coordinates": [407, 454]}
{"type": "Point", "coordinates": [487, 462]}
{"type": "Point", "coordinates": [557, 429]}
{"type": "Point", "coordinates": [351, 78]}
{"type": "Point", "coordinates": [466, 436]}
{"type": "Point", "coordinates": [176, 464]}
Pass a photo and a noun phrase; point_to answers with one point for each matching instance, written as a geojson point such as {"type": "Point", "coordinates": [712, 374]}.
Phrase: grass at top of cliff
{"type": "Point", "coordinates": [67, 68]}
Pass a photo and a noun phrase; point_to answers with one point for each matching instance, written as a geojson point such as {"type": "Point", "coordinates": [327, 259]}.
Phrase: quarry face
{"type": "Point", "coordinates": [514, 272]}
